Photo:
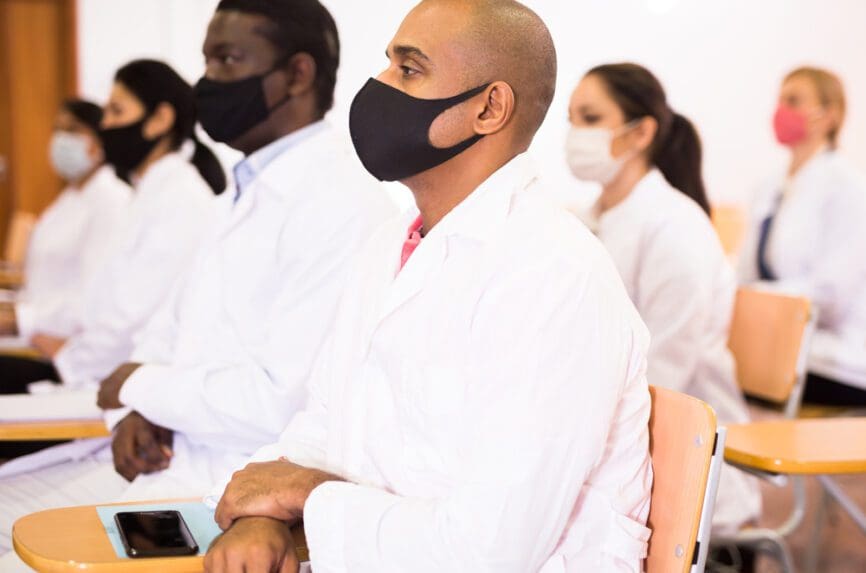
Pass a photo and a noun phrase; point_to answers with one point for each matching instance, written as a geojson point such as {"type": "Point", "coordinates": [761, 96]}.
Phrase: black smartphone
{"type": "Point", "coordinates": [155, 534]}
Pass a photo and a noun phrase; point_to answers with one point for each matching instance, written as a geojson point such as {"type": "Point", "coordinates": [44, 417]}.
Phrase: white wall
{"type": "Point", "coordinates": [720, 60]}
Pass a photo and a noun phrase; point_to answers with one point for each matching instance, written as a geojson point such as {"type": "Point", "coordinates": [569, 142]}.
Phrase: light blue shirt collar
{"type": "Point", "coordinates": [252, 166]}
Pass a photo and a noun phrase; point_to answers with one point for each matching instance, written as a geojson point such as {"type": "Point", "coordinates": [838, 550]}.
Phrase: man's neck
{"type": "Point", "coordinates": [439, 190]}
{"type": "Point", "coordinates": [283, 121]}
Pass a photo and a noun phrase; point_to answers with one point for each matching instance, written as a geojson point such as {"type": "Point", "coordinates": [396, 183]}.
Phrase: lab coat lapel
{"type": "Point", "coordinates": [411, 280]}
{"type": "Point", "coordinates": [284, 175]}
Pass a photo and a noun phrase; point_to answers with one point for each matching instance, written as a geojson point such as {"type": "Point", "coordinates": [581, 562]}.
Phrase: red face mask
{"type": "Point", "coordinates": [789, 125]}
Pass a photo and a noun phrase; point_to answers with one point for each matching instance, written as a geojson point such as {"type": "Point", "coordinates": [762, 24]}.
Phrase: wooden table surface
{"type": "Point", "coordinates": [22, 352]}
{"type": "Point", "coordinates": [804, 446]}
{"type": "Point", "coordinates": [73, 539]}
{"type": "Point", "coordinates": [55, 430]}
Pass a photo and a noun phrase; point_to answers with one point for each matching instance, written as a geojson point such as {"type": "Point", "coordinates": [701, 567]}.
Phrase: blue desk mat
{"type": "Point", "coordinates": [198, 517]}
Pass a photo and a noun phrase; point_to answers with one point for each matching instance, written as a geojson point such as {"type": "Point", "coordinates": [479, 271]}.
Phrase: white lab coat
{"type": "Point", "coordinates": [488, 404]}
{"type": "Point", "coordinates": [67, 248]}
{"type": "Point", "coordinates": [165, 221]}
{"type": "Point", "coordinates": [227, 358]}
{"type": "Point", "coordinates": [816, 248]}
{"type": "Point", "coordinates": [226, 363]}
{"type": "Point", "coordinates": [676, 274]}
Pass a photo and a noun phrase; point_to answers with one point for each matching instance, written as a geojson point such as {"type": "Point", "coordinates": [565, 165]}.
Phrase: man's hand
{"type": "Point", "coordinates": [109, 389]}
{"type": "Point", "coordinates": [253, 544]}
{"type": "Point", "coordinates": [47, 345]}
{"type": "Point", "coordinates": [140, 447]}
{"type": "Point", "coordinates": [8, 320]}
{"type": "Point", "coordinates": [271, 489]}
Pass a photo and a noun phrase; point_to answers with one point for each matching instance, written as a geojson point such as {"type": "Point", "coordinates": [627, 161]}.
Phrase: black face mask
{"type": "Point", "coordinates": [391, 130]}
{"type": "Point", "coordinates": [125, 147]}
{"type": "Point", "coordinates": [227, 110]}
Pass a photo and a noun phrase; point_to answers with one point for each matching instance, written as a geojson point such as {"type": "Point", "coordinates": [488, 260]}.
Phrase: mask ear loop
{"type": "Point", "coordinates": [620, 131]}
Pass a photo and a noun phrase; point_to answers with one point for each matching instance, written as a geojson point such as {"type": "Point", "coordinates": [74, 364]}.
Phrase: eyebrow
{"type": "Point", "coordinates": [409, 51]}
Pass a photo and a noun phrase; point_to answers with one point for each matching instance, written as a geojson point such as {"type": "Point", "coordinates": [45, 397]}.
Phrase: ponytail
{"type": "Point", "coordinates": [676, 149]}
{"type": "Point", "coordinates": [208, 166]}
{"type": "Point", "coordinates": [154, 82]}
{"type": "Point", "coordinates": [678, 156]}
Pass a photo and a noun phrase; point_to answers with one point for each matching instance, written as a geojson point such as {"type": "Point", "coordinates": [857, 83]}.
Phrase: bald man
{"type": "Point", "coordinates": [482, 404]}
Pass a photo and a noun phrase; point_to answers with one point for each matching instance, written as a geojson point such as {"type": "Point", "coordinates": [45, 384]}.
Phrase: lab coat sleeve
{"type": "Point", "coordinates": [156, 341]}
{"type": "Point", "coordinates": [838, 274]}
{"type": "Point", "coordinates": [246, 404]}
{"type": "Point", "coordinates": [140, 280]}
{"type": "Point", "coordinates": [61, 315]}
{"type": "Point", "coordinates": [543, 386]}
{"type": "Point", "coordinates": [675, 300]}
{"type": "Point", "coordinates": [304, 439]}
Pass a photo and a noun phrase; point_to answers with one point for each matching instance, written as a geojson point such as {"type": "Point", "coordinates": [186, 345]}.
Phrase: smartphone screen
{"type": "Point", "coordinates": [155, 534]}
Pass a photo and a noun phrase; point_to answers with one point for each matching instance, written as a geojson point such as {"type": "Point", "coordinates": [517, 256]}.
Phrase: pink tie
{"type": "Point", "coordinates": [412, 241]}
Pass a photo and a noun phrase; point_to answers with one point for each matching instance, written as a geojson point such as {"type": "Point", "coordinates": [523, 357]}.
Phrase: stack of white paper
{"type": "Point", "coordinates": [63, 405]}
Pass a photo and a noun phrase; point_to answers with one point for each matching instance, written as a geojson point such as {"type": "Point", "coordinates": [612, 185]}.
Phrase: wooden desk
{"type": "Point", "coordinates": [22, 352]}
{"type": "Point", "coordinates": [58, 430]}
{"type": "Point", "coordinates": [806, 446]}
{"type": "Point", "coordinates": [73, 539]}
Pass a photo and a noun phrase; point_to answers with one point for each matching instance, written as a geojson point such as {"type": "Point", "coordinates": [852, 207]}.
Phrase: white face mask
{"type": "Point", "coordinates": [588, 153]}
{"type": "Point", "coordinates": [69, 155]}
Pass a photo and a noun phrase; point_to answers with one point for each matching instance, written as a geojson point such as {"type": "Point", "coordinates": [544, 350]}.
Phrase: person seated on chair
{"type": "Point", "coordinates": [223, 366]}
{"type": "Point", "coordinates": [807, 234]}
{"type": "Point", "coordinates": [482, 403]}
{"type": "Point", "coordinates": [70, 240]}
{"type": "Point", "coordinates": [147, 135]}
{"type": "Point", "coordinates": [653, 218]}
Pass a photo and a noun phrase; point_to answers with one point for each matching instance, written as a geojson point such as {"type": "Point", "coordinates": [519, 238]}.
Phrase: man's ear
{"type": "Point", "coordinates": [160, 121]}
{"type": "Point", "coordinates": [498, 109]}
{"type": "Point", "coordinates": [300, 74]}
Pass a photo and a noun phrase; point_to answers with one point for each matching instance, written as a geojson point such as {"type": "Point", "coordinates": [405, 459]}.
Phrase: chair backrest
{"type": "Point", "coordinates": [682, 441]}
{"type": "Point", "coordinates": [18, 237]}
{"type": "Point", "coordinates": [770, 337]}
{"type": "Point", "coordinates": [730, 224]}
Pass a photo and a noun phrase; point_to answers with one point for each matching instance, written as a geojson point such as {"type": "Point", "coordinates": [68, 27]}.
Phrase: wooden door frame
{"type": "Point", "coordinates": [67, 43]}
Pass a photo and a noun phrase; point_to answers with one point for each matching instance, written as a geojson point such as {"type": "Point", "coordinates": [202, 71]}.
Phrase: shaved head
{"type": "Point", "coordinates": [504, 40]}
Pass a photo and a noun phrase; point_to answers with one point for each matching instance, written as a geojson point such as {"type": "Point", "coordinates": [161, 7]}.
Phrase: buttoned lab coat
{"type": "Point", "coordinates": [816, 248]}
{"type": "Point", "coordinates": [165, 222]}
{"type": "Point", "coordinates": [488, 404]}
{"type": "Point", "coordinates": [67, 248]}
{"type": "Point", "coordinates": [227, 361]}
{"type": "Point", "coordinates": [676, 273]}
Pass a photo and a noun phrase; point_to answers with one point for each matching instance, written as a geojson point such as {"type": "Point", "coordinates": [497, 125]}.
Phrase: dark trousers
{"type": "Point", "coordinates": [820, 390]}
{"type": "Point", "coordinates": [15, 374]}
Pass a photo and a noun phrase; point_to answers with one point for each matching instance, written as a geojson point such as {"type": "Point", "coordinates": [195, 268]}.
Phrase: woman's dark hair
{"type": "Point", "coordinates": [84, 111]}
{"type": "Point", "coordinates": [153, 83]}
{"type": "Point", "coordinates": [299, 26]}
{"type": "Point", "coordinates": [676, 149]}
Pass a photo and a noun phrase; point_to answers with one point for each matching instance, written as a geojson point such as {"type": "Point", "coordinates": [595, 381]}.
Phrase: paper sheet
{"type": "Point", "coordinates": [70, 405]}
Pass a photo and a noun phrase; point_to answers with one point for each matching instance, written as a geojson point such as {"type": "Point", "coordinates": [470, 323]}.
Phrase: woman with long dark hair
{"type": "Point", "coordinates": [653, 217]}
{"type": "Point", "coordinates": [147, 135]}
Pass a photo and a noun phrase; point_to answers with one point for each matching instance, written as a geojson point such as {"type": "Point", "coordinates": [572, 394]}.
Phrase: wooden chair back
{"type": "Point", "coordinates": [682, 440]}
{"type": "Point", "coordinates": [769, 338]}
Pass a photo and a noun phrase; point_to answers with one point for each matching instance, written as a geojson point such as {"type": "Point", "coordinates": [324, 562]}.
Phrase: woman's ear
{"type": "Point", "coordinates": [160, 122]}
{"type": "Point", "coordinates": [497, 109]}
{"type": "Point", "coordinates": [645, 132]}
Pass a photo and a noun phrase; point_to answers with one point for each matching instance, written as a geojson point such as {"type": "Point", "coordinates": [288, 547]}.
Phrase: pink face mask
{"type": "Point", "coordinates": [789, 125]}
